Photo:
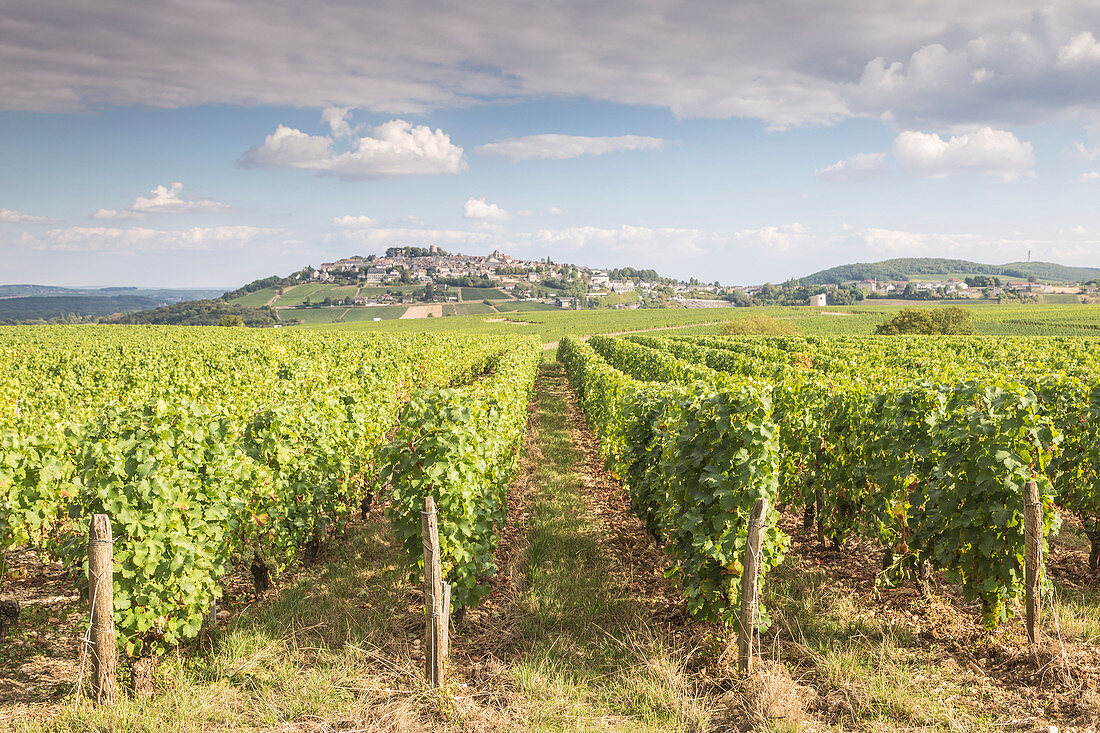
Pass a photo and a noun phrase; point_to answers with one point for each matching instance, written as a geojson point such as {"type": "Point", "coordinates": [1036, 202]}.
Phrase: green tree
{"type": "Point", "coordinates": [928, 321]}
{"type": "Point", "coordinates": [232, 319]}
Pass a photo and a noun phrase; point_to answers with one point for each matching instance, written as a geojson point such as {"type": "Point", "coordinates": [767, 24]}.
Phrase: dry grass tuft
{"type": "Point", "coordinates": [770, 699]}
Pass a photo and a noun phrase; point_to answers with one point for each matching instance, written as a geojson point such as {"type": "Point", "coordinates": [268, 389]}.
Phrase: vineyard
{"type": "Point", "coordinates": [210, 450]}
{"type": "Point", "coordinates": [924, 446]}
{"type": "Point", "coordinates": [593, 569]}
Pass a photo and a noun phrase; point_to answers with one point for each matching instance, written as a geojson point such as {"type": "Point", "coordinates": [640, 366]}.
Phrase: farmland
{"type": "Point", "coordinates": [553, 324]}
{"type": "Point", "coordinates": [592, 519]}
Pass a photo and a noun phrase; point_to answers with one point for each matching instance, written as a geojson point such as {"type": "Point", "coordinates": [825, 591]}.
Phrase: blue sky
{"type": "Point", "coordinates": [179, 144]}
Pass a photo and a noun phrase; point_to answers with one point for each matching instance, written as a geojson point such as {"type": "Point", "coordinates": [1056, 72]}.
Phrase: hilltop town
{"type": "Point", "coordinates": [530, 280]}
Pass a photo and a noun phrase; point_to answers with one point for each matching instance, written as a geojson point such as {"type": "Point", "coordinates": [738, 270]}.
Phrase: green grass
{"type": "Point", "coordinates": [256, 299]}
{"type": "Point", "coordinates": [484, 294]}
{"type": "Point", "coordinates": [882, 678]}
{"type": "Point", "coordinates": [297, 294]}
{"type": "Point", "coordinates": [587, 659]}
{"type": "Point", "coordinates": [370, 312]}
{"type": "Point", "coordinates": [312, 316]}
{"type": "Point", "coordinates": [990, 319]}
{"type": "Point", "coordinates": [333, 645]}
{"type": "Point", "coordinates": [315, 292]}
{"type": "Point", "coordinates": [472, 309]}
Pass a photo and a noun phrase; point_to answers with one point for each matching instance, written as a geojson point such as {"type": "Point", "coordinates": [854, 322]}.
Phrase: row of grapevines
{"type": "Point", "coordinates": [461, 446]}
{"type": "Point", "coordinates": [202, 449]}
{"type": "Point", "coordinates": [934, 470]}
{"type": "Point", "coordinates": [695, 459]}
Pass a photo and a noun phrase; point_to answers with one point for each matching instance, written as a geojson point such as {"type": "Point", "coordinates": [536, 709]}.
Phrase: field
{"type": "Point", "coordinates": [593, 520]}
{"type": "Point", "coordinates": [256, 299]}
{"type": "Point", "coordinates": [315, 293]}
{"type": "Point", "coordinates": [369, 313]}
{"type": "Point", "coordinates": [467, 309]}
{"type": "Point", "coordinates": [552, 324]}
{"type": "Point", "coordinates": [322, 315]}
{"type": "Point", "coordinates": [1060, 299]}
{"type": "Point", "coordinates": [314, 315]}
{"type": "Point", "coordinates": [371, 291]}
{"type": "Point", "coordinates": [521, 305]}
{"type": "Point", "coordinates": [483, 294]}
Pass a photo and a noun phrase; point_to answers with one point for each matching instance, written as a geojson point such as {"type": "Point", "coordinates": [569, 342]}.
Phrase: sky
{"type": "Point", "coordinates": [206, 143]}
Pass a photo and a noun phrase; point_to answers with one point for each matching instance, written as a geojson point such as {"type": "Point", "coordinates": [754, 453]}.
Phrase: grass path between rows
{"type": "Point", "coordinates": [592, 648]}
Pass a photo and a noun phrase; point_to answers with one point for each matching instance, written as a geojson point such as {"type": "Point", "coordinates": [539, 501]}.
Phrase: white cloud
{"type": "Point", "coordinates": [985, 151]}
{"type": "Point", "coordinates": [396, 148]}
{"type": "Point", "coordinates": [1088, 177]}
{"type": "Point", "coordinates": [337, 120]}
{"type": "Point", "coordinates": [116, 215]}
{"type": "Point", "coordinates": [1081, 52]}
{"type": "Point", "coordinates": [163, 200]}
{"type": "Point", "coordinates": [560, 147]}
{"type": "Point", "coordinates": [353, 221]}
{"type": "Point", "coordinates": [1084, 151]}
{"type": "Point", "coordinates": [479, 209]}
{"type": "Point", "coordinates": [1090, 148]}
{"type": "Point", "coordinates": [856, 169]}
{"type": "Point", "coordinates": [11, 216]}
{"type": "Point", "coordinates": [144, 239]}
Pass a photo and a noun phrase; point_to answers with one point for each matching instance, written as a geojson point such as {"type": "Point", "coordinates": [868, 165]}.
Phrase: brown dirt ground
{"type": "Point", "coordinates": [1056, 682]}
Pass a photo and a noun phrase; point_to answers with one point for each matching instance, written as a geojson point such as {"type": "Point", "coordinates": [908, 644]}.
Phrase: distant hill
{"type": "Point", "coordinates": [27, 303]}
{"type": "Point", "coordinates": [907, 268]}
{"type": "Point", "coordinates": [199, 313]}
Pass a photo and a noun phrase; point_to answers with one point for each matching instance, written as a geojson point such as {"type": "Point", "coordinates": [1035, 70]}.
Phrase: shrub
{"type": "Point", "coordinates": [928, 321]}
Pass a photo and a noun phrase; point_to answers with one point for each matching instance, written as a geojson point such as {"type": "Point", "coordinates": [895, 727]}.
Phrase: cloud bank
{"type": "Point", "coordinates": [919, 65]}
{"type": "Point", "coordinates": [353, 222]}
{"type": "Point", "coordinates": [856, 169]}
{"type": "Point", "coordinates": [480, 210]}
{"type": "Point", "coordinates": [560, 147]}
{"type": "Point", "coordinates": [986, 151]}
{"type": "Point", "coordinates": [134, 240]}
{"type": "Point", "coordinates": [396, 148]}
{"type": "Point", "coordinates": [11, 216]}
{"type": "Point", "coordinates": [163, 200]}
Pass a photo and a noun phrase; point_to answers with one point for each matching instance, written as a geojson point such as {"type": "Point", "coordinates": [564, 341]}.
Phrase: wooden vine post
{"type": "Point", "coordinates": [436, 599]}
{"type": "Point", "coordinates": [1033, 543]}
{"type": "Point", "coordinates": [750, 584]}
{"type": "Point", "coordinates": [101, 638]}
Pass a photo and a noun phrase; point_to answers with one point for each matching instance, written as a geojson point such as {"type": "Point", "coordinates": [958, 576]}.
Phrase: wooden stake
{"type": "Point", "coordinates": [445, 645]}
{"type": "Point", "coordinates": [209, 624]}
{"type": "Point", "coordinates": [749, 584]}
{"type": "Point", "coordinates": [435, 641]}
{"type": "Point", "coordinates": [104, 654]}
{"type": "Point", "coordinates": [1033, 542]}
